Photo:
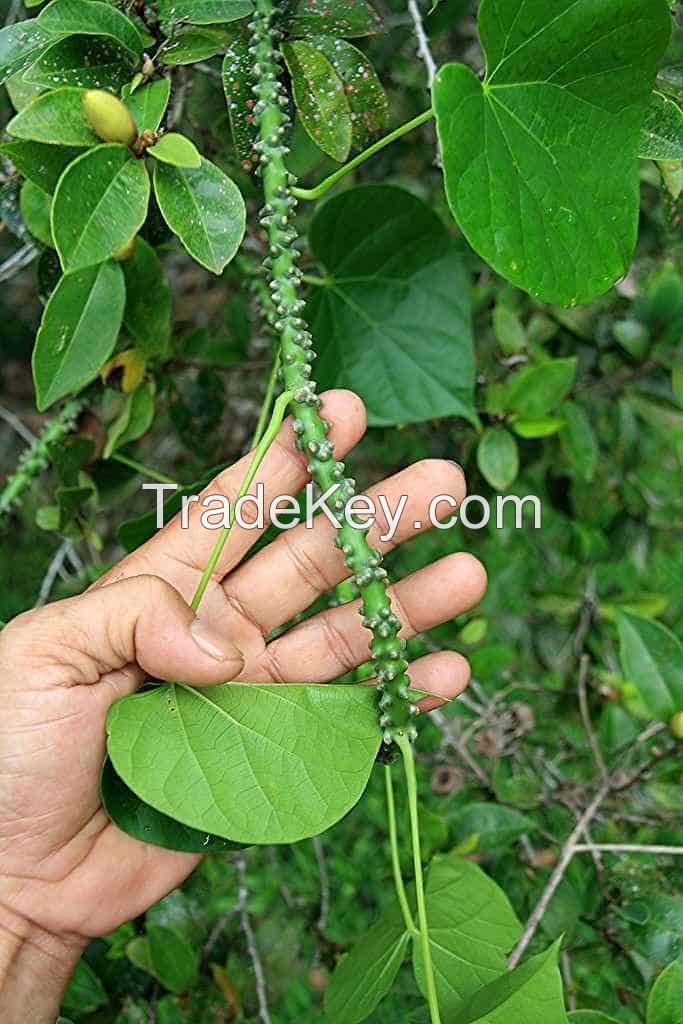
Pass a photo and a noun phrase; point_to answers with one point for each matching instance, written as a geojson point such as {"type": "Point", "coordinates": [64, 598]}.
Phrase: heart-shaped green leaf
{"type": "Point", "coordinates": [320, 98]}
{"type": "Point", "coordinates": [652, 661]}
{"type": "Point", "coordinates": [252, 763]}
{"type": "Point", "coordinates": [365, 975]}
{"type": "Point", "coordinates": [205, 209]}
{"type": "Point", "coordinates": [20, 45]}
{"type": "Point", "coordinates": [589, 1017]}
{"type": "Point", "coordinates": [472, 929]}
{"type": "Point", "coordinates": [397, 296]}
{"type": "Point", "coordinates": [531, 994]}
{"type": "Point", "coordinates": [540, 159]}
{"type": "Point", "coordinates": [100, 203]}
{"type": "Point", "coordinates": [78, 331]}
{"type": "Point", "coordinates": [93, 18]}
{"type": "Point", "coordinates": [662, 134]}
{"type": "Point", "coordinates": [56, 118]}
{"type": "Point", "coordinates": [137, 819]}
{"type": "Point", "coordinates": [203, 12]}
{"type": "Point", "coordinates": [148, 104]}
{"type": "Point", "coordinates": [85, 61]}
{"type": "Point", "coordinates": [177, 150]}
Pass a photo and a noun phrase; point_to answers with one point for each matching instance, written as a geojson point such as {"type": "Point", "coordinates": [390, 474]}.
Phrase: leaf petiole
{"type": "Point", "coordinates": [260, 452]}
{"type": "Point", "coordinates": [406, 748]}
{"type": "Point", "coordinates": [341, 172]}
{"type": "Point", "coordinates": [395, 860]}
{"type": "Point", "coordinates": [153, 474]}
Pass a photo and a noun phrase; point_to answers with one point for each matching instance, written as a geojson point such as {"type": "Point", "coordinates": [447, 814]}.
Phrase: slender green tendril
{"type": "Point", "coordinates": [284, 312]}
{"type": "Point", "coordinates": [267, 401]}
{"type": "Point", "coordinates": [260, 452]}
{"type": "Point", "coordinates": [395, 859]}
{"type": "Point", "coordinates": [341, 172]}
{"type": "Point", "coordinates": [411, 785]}
{"type": "Point", "coordinates": [143, 470]}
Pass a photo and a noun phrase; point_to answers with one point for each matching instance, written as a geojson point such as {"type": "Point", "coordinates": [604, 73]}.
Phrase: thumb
{"type": "Point", "coordinates": [139, 623]}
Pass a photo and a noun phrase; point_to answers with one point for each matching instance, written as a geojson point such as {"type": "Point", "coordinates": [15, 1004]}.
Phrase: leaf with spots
{"type": "Point", "coordinates": [662, 134]}
{"type": "Point", "coordinates": [86, 61]}
{"type": "Point", "coordinates": [365, 93]}
{"type": "Point", "coordinates": [55, 118]}
{"type": "Point", "coordinates": [251, 763]}
{"type": "Point", "coordinates": [203, 12]}
{"type": "Point", "coordinates": [540, 159]}
{"type": "Point", "coordinates": [237, 84]}
{"type": "Point", "coordinates": [320, 99]}
{"type": "Point", "coordinates": [20, 45]}
{"type": "Point", "coordinates": [346, 18]}
{"type": "Point", "coordinates": [100, 203]}
{"type": "Point", "coordinates": [93, 18]}
{"type": "Point", "coordinates": [205, 209]}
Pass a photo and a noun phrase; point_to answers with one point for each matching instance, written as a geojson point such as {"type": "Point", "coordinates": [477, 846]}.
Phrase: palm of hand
{"type": "Point", "coordinates": [66, 867]}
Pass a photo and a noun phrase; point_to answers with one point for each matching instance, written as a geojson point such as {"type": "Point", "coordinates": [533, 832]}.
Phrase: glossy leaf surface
{"type": "Point", "coordinates": [35, 209]}
{"type": "Point", "coordinates": [100, 202]}
{"type": "Point", "coordinates": [255, 764]}
{"type": "Point", "coordinates": [237, 83]}
{"type": "Point", "coordinates": [662, 134]}
{"type": "Point", "coordinates": [20, 45]}
{"type": "Point", "coordinates": [205, 209]}
{"type": "Point", "coordinates": [41, 163]}
{"type": "Point", "coordinates": [148, 104]}
{"type": "Point", "coordinates": [91, 17]}
{"type": "Point", "coordinates": [540, 160]}
{"type": "Point", "coordinates": [78, 331]}
{"type": "Point", "coordinates": [56, 118]}
{"type": "Point", "coordinates": [204, 12]}
{"type": "Point", "coordinates": [396, 294]}
{"type": "Point", "coordinates": [85, 61]}
{"type": "Point", "coordinates": [148, 300]}
{"type": "Point", "coordinates": [665, 1002]}
{"type": "Point", "coordinates": [177, 150]}
{"type": "Point", "coordinates": [345, 18]}
{"type": "Point", "coordinates": [365, 95]}
{"type": "Point", "coordinates": [320, 98]}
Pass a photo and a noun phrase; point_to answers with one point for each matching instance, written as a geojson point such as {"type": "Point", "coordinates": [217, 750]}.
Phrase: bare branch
{"type": "Point", "coordinates": [17, 261]}
{"type": "Point", "coordinates": [252, 949]}
{"type": "Point", "coordinates": [17, 426]}
{"type": "Point", "coordinates": [423, 48]}
{"type": "Point", "coordinates": [584, 665]}
{"type": "Point", "coordinates": [324, 884]}
{"type": "Point", "coordinates": [664, 851]}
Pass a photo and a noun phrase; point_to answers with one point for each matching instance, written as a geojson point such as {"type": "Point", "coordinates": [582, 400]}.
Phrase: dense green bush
{"type": "Point", "coordinates": [483, 296]}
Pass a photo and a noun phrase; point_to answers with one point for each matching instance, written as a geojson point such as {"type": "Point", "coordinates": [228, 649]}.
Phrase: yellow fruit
{"type": "Point", "coordinates": [126, 251]}
{"type": "Point", "coordinates": [676, 725]}
{"type": "Point", "coordinates": [108, 117]}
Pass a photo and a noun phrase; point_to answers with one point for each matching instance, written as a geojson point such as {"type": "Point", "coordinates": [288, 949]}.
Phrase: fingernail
{"type": "Point", "coordinates": [213, 643]}
{"type": "Point", "coordinates": [457, 465]}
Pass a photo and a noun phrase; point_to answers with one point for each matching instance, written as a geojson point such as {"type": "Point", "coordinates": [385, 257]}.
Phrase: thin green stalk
{"type": "Point", "coordinates": [395, 859]}
{"type": "Point", "coordinates": [279, 410]}
{"type": "Point", "coordinates": [326, 185]}
{"type": "Point", "coordinates": [139, 467]}
{"type": "Point", "coordinates": [267, 402]}
{"type": "Point", "coordinates": [284, 309]}
{"type": "Point", "coordinates": [411, 785]}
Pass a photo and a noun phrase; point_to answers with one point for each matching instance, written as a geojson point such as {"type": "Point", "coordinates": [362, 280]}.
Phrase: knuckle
{"type": "Point", "coordinates": [305, 566]}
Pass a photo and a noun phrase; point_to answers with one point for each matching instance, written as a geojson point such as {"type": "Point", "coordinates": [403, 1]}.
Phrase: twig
{"type": "Point", "coordinates": [252, 949]}
{"type": "Point", "coordinates": [566, 968]}
{"type": "Point", "coordinates": [664, 851]}
{"type": "Point", "coordinates": [423, 48]}
{"type": "Point", "coordinates": [557, 875]}
{"type": "Point", "coordinates": [53, 570]}
{"type": "Point", "coordinates": [324, 884]}
{"type": "Point", "coordinates": [584, 665]}
{"type": "Point", "coordinates": [17, 261]}
{"type": "Point", "coordinates": [17, 426]}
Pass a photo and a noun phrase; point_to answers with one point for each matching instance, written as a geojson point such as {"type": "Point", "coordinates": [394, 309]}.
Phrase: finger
{"type": "Point", "coordinates": [443, 675]}
{"type": "Point", "coordinates": [180, 555]}
{"type": "Point", "coordinates": [304, 563]}
{"type": "Point", "coordinates": [335, 641]}
{"type": "Point", "coordinates": [141, 623]}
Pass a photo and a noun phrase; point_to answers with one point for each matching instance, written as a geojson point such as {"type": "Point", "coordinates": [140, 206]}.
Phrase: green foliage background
{"type": "Point", "coordinates": [599, 440]}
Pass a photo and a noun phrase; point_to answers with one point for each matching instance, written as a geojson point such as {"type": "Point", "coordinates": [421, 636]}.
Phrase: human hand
{"type": "Point", "coordinates": [68, 873]}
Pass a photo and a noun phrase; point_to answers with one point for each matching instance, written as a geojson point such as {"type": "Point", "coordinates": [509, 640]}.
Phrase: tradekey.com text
{"type": "Point", "coordinates": [285, 512]}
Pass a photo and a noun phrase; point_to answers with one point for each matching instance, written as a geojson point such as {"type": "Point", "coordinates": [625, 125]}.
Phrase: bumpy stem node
{"type": "Point", "coordinates": [284, 313]}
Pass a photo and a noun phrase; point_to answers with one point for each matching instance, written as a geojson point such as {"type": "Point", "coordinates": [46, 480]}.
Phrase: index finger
{"type": "Point", "coordinates": [179, 555]}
